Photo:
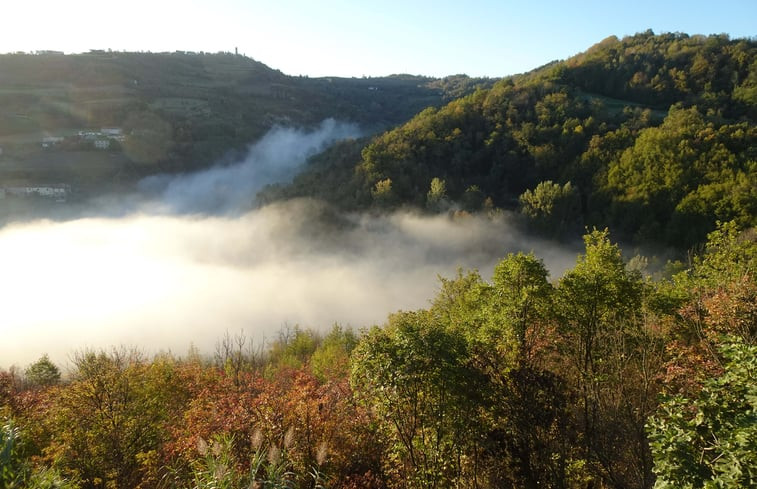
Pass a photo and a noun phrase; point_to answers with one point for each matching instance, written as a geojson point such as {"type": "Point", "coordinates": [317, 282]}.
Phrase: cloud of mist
{"type": "Point", "coordinates": [165, 282]}
{"type": "Point", "coordinates": [195, 262]}
{"type": "Point", "coordinates": [277, 157]}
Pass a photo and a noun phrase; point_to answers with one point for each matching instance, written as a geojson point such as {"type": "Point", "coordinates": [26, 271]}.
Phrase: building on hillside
{"type": "Point", "coordinates": [102, 143]}
{"type": "Point", "coordinates": [57, 191]}
{"type": "Point", "coordinates": [50, 141]}
{"type": "Point", "coordinates": [113, 133]}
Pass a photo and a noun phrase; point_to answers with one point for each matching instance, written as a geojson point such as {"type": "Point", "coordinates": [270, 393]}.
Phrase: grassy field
{"type": "Point", "coordinates": [615, 105]}
{"type": "Point", "coordinates": [83, 169]}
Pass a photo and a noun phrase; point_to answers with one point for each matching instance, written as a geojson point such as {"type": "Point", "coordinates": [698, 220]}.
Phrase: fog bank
{"type": "Point", "coordinates": [165, 282]}
{"type": "Point", "coordinates": [188, 260]}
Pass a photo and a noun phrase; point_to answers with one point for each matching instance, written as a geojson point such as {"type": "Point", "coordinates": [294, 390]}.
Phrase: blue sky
{"type": "Point", "coordinates": [362, 38]}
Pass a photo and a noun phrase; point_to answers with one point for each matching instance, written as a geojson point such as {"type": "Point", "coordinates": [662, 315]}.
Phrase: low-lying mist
{"type": "Point", "coordinates": [277, 157]}
{"type": "Point", "coordinates": [161, 280]}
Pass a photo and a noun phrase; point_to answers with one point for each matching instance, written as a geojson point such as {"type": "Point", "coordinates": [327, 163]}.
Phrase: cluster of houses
{"type": "Point", "coordinates": [100, 139]}
{"type": "Point", "coordinates": [50, 141]}
{"type": "Point", "coordinates": [57, 191]}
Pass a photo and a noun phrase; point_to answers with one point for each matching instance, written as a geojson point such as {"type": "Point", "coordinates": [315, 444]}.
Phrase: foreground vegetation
{"type": "Point", "coordinates": [605, 377]}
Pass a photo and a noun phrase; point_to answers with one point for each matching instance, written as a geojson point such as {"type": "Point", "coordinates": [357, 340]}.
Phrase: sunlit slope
{"type": "Point", "coordinates": [652, 135]}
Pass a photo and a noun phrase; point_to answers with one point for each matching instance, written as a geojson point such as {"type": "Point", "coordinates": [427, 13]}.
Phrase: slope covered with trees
{"type": "Point", "coordinates": [654, 134]}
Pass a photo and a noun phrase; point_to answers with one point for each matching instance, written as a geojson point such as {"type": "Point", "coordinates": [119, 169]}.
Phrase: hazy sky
{"type": "Point", "coordinates": [357, 37]}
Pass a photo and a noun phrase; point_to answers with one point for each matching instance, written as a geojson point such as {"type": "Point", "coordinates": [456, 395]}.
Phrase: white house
{"type": "Point", "coordinates": [113, 133]}
{"type": "Point", "coordinates": [102, 144]}
{"type": "Point", "coordinates": [49, 141]}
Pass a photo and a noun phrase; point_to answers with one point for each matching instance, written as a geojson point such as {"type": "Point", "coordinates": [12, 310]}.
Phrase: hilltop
{"type": "Point", "coordinates": [174, 112]}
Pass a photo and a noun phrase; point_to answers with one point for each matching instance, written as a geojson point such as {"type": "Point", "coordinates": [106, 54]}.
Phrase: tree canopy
{"type": "Point", "coordinates": [654, 135]}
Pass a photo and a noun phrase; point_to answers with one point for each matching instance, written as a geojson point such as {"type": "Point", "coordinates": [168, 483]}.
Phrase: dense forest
{"type": "Point", "coordinates": [653, 136]}
{"type": "Point", "coordinates": [615, 375]}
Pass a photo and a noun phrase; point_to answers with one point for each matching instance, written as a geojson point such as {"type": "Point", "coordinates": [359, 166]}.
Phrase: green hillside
{"type": "Point", "coordinates": [653, 135]}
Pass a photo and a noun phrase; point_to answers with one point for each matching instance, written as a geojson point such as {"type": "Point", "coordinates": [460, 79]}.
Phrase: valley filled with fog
{"type": "Point", "coordinates": [188, 258]}
{"type": "Point", "coordinates": [216, 274]}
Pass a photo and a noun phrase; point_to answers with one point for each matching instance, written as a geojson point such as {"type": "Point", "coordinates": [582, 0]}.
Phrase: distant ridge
{"type": "Point", "coordinates": [205, 105]}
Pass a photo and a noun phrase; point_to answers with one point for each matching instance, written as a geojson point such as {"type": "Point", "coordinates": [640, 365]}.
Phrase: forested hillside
{"type": "Point", "coordinates": [601, 379]}
{"type": "Point", "coordinates": [652, 135]}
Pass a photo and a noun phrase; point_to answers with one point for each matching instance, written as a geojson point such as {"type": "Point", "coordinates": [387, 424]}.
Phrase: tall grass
{"type": "Point", "coordinates": [270, 467]}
